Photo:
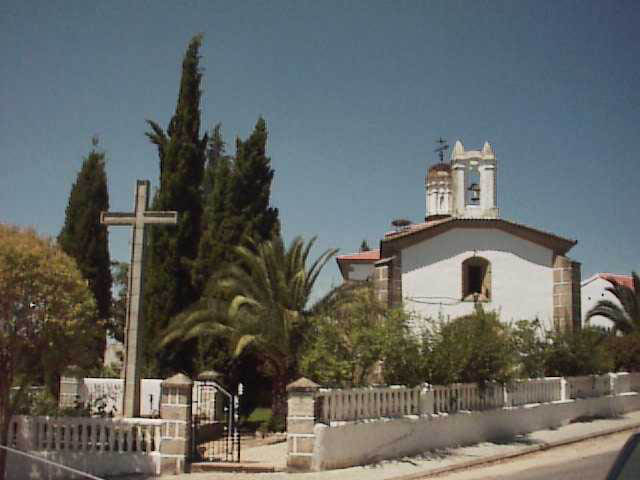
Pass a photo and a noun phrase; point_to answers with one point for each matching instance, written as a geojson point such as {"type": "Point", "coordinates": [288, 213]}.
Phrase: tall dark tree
{"type": "Point", "coordinates": [169, 288]}
{"type": "Point", "coordinates": [83, 237]}
{"type": "Point", "coordinates": [251, 189]}
{"type": "Point", "coordinates": [237, 204]}
{"type": "Point", "coordinates": [215, 245]}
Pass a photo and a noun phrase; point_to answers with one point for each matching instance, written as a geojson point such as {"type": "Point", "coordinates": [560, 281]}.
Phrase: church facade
{"type": "Point", "coordinates": [464, 253]}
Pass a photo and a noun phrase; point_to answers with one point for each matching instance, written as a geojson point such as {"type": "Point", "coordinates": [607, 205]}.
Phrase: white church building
{"type": "Point", "coordinates": [465, 253]}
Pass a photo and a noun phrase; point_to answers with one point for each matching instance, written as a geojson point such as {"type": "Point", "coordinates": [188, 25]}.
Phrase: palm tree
{"type": "Point", "coordinates": [626, 316]}
{"type": "Point", "coordinates": [268, 290]}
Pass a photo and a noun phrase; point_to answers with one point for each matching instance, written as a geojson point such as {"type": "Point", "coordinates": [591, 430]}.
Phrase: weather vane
{"type": "Point", "coordinates": [442, 146]}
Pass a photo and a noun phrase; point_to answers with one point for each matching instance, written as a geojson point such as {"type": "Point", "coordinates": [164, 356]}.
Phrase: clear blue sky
{"type": "Point", "coordinates": [354, 94]}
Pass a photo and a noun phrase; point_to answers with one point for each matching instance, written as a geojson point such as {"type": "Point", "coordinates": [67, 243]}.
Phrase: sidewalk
{"type": "Point", "coordinates": [430, 463]}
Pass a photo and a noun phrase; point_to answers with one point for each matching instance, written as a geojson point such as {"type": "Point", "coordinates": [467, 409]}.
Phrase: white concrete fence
{"type": "Point", "coordinates": [336, 428]}
{"type": "Point", "coordinates": [335, 405]}
{"type": "Point", "coordinates": [106, 446]}
{"type": "Point", "coordinates": [85, 434]}
{"type": "Point", "coordinates": [96, 445]}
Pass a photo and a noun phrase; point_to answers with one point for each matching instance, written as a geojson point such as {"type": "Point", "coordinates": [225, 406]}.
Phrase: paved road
{"type": "Point", "coordinates": [589, 460]}
{"type": "Point", "coordinates": [595, 467]}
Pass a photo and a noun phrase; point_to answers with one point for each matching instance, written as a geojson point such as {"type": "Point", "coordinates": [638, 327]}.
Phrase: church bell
{"type": "Point", "coordinates": [474, 188]}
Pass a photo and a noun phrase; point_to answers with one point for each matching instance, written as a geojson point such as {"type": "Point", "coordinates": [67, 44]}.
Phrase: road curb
{"type": "Point", "coordinates": [507, 456]}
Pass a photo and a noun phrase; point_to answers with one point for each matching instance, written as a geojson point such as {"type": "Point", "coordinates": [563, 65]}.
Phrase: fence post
{"type": "Point", "coordinates": [564, 393]}
{"type": "Point", "coordinates": [426, 399]}
{"type": "Point", "coordinates": [175, 411]}
{"type": "Point", "coordinates": [301, 420]}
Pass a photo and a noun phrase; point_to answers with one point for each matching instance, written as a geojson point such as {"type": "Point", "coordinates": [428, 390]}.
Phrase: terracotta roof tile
{"type": "Point", "coordinates": [368, 256]}
{"type": "Point", "coordinates": [626, 280]}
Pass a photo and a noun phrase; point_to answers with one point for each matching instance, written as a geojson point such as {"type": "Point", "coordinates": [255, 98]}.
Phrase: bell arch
{"type": "Point", "coordinates": [476, 279]}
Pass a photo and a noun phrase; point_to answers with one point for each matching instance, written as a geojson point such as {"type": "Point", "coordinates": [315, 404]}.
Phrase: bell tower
{"type": "Point", "coordinates": [473, 181]}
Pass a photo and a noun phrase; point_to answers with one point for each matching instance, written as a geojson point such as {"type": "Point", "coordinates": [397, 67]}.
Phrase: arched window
{"type": "Point", "coordinates": [476, 279]}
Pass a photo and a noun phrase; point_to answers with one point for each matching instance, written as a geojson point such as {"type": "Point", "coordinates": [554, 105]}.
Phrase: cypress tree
{"type": "Point", "coordinates": [169, 288]}
{"type": "Point", "coordinates": [83, 237]}
{"type": "Point", "coordinates": [237, 206]}
{"type": "Point", "coordinates": [251, 189]}
{"type": "Point", "coordinates": [216, 241]}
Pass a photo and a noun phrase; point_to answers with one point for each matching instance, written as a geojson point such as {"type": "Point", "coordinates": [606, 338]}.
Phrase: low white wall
{"type": "Point", "coordinates": [92, 445]}
{"type": "Point", "coordinates": [359, 443]}
{"type": "Point", "coordinates": [99, 464]}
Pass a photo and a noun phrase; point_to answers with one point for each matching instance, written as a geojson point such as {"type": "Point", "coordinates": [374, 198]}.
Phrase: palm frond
{"type": "Point", "coordinates": [243, 342]}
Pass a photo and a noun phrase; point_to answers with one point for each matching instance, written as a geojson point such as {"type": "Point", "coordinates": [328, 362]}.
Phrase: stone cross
{"type": "Point", "coordinates": [139, 219]}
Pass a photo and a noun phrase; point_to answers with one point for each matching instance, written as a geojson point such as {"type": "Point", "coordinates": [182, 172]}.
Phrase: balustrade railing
{"type": "Point", "coordinates": [467, 396]}
{"type": "Point", "coordinates": [588, 386]}
{"type": "Point", "coordinates": [535, 390]}
{"type": "Point", "coordinates": [362, 403]}
{"type": "Point", "coordinates": [82, 434]}
{"type": "Point", "coordinates": [396, 401]}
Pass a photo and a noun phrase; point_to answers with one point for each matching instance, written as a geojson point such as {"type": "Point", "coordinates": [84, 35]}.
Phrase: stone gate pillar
{"type": "Point", "coordinates": [300, 423]}
{"type": "Point", "coordinates": [175, 411]}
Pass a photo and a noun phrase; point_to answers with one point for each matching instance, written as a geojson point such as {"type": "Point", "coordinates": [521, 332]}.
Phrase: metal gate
{"type": "Point", "coordinates": [215, 424]}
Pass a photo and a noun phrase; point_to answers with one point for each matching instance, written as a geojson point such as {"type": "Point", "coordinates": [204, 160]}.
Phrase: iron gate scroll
{"type": "Point", "coordinates": [215, 424]}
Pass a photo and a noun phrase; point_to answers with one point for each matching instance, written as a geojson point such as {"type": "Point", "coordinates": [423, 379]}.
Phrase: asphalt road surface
{"type": "Point", "coordinates": [588, 460]}
{"type": "Point", "coordinates": [594, 467]}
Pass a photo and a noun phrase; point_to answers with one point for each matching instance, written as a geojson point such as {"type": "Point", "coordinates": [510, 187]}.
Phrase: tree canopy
{"type": "Point", "coordinates": [47, 317]}
{"type": "Point", "coordinates": [86, 240]}
{"type": "Point", "coordinates": [169, 288]}
{"type": "Point", "coordinates": [269, 290]}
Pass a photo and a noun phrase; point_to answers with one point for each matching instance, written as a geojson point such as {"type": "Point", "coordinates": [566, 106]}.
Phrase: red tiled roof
{"type": "Point", "coordinates": [369, 256]}
{"type": "Point", "coordinates": [626, 280]}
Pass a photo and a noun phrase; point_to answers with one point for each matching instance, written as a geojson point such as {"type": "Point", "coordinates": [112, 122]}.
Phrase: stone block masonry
{"type": "Point", "coordinates": [566, 294]}
{"type": "Point", "coordinates": [175, 411]}
{"type": "Point", "coordinates": [301, 414]}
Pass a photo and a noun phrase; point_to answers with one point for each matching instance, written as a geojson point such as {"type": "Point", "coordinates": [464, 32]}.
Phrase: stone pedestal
{"type": "Point", "coordinates": [175, 411]}
{"type": "Point", "coordinates": [300, 423]}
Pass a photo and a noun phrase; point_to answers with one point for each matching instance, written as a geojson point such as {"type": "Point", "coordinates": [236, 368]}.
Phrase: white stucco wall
{"type": "Point", "coordinates": [521, 278]}
{"type": "Point", "coordinates": [360, 271]}
{"type": "Point", "coordinates": [592, 291]}
{"type": "Point", "coordinates": [110, 391]}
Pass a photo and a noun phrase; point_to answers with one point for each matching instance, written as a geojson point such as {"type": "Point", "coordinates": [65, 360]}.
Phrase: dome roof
{"type": "Point", "coordinates": [439, 170]}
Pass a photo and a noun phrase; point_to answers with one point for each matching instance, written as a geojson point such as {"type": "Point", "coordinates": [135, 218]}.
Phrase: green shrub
{"type": "Point", "coordinates": [532, 348]}
{"type": "Point", "coordinates": [582, 352]}
{"type": "Point", "coordinates": [625, 351]}
{"type": "Point", "coordinates": [473, 348]}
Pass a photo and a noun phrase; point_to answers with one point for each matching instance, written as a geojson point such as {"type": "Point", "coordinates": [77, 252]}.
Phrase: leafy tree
{"type": "Point", "coordinates": [580, 352]}
{"type": "Point", "coordinates": [86, 240]}
{"type": "Point", "coordinates": [626, 316]}
{"type": "Point", "coordinates": [625, 350]}
{"type": "Point", "coordinates": [473, 348]}
{"type": "Point", "coordinates": [355, 340]}
{"type": "Point", "coordinates": [47, 317]}
{"type": "Point", "coordinates": [532, 348]}
{"type": "Point", "coordinates": [169, 288]}
{"type": "Point", "coordinates": [270, 288]}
